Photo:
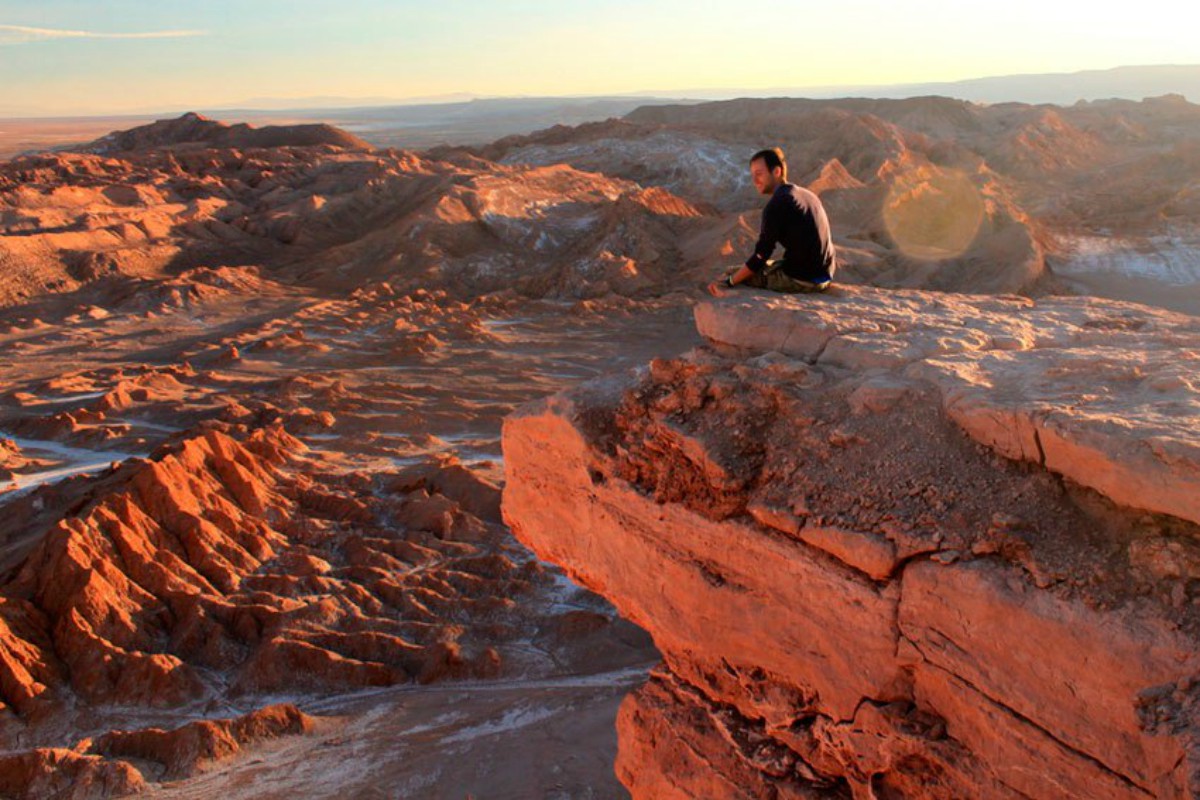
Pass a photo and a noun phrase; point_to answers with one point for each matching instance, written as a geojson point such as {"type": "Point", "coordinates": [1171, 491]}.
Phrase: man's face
{"type": "Point", "coordinates": [765, 180]}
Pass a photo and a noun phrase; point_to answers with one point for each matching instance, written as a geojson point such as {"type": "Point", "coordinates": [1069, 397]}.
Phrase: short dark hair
{"type": "Point", "coordinates": [772, 157]}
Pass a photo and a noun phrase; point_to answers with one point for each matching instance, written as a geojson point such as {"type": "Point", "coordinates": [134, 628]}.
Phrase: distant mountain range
{"type": "Point", "coordinates": [1059, 88]}
{"type": "Point", "coordinates": [1129, 83]}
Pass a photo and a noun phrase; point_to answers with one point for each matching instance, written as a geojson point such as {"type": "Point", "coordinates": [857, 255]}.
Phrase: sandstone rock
{"type": "Point", "coordinates": [1165, 558]}
{"type": "Point", "coordinates": [872, 554]}
{"type": "Point", "coordinates": [189, 192]}
{"type": "Point", "coordinates": [722, 594]}
{"type": "Point", "coordinates": [1028, 668]}
{"type": "Point", "coordinates": [101, 768]}
{"type": "Point", "coordinates": [674, 744]}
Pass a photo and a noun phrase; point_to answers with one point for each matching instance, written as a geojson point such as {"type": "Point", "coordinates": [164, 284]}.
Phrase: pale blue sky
{"type": "Point", "coordinates": [93, 56]}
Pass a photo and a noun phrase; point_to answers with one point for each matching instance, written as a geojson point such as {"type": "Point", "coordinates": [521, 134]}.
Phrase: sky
{"type": "Point", "coordinates": [125, 56]}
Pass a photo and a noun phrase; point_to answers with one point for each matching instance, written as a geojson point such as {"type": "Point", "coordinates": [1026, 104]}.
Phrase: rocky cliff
{"type": "Point", "coordinates": [892, 544]}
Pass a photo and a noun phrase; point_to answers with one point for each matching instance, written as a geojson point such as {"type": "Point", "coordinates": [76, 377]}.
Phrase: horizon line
{"type": "Point", "coordinates": [346, 103]}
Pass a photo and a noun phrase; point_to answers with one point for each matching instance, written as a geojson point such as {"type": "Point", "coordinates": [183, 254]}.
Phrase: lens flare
{"type": "Point", "coordinates": [933, 214]}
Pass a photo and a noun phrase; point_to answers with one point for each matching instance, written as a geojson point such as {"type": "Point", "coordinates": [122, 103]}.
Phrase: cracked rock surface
{"type": "Point", "coordinates": [891, 544]}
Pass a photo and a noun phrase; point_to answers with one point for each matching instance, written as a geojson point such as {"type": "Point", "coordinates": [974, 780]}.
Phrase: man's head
{"type": "Point", "coordinates": [768, 169]}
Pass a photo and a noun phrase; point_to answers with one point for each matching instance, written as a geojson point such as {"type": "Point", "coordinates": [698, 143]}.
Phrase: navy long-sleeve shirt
{"type": "Point", "coordinates": [795, 218]}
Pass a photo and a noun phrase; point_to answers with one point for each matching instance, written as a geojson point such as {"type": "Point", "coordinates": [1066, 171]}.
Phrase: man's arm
{"type": "Point", "coordinates": [768, 237]}
{"type": "Point", "coordinates": [740, 274]}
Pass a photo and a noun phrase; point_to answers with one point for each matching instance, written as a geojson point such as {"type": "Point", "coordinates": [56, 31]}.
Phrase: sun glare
{"type": "Point", "coordinates": [933, 214]}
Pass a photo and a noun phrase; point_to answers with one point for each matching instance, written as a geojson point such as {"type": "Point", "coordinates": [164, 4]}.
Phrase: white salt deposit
{"type": "Point", "coordinates": [75, 461]}
{"type": "Point", "coordinates": [1172, 259]}
{"type": "Point", "coordinates": [512, 719]}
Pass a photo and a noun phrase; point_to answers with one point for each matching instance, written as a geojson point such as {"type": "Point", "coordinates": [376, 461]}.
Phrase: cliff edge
{"type": "Point", "coordinates": [892, 544]}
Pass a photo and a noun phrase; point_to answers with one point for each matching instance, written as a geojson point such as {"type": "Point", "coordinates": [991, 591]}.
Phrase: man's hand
{"type": "Point", "coordinates": [731, 277]}
{"type": "Point", "coordinates": [719, 289]}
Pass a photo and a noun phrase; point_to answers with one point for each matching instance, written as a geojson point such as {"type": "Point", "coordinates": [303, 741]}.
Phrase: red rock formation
{"type": "Point", "coordinates": [1015, 375]}
{"type": "Point", "coordinates": [13, 461]}
{"type": "Point", "coordinates": [852, 594]}
{"type": "Point", "coordinates": [302, 204]}
{"type": "Point", "coordinates": [214, 554]}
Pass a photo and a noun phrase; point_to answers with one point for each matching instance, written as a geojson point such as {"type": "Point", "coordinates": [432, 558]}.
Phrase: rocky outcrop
{"type": "Point", "coordinates": [892, 544]}
{"type": "Point", "coordinates": [1102, 393]}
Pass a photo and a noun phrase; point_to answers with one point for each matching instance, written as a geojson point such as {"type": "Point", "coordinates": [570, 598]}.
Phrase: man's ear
{"type": "Point", "coordinates": [777, 172]}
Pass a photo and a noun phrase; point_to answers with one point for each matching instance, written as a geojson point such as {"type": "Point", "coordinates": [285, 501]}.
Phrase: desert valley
{"type": "Point", "coordinates": [335, 469]}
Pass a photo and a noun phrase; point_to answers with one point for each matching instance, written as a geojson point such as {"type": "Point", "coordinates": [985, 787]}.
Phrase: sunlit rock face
{"type": "Point", "coordinates": [891, 544]}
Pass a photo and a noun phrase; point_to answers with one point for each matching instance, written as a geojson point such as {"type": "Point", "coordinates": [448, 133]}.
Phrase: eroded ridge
{"type": "Point", "coordinates": [229, 565]}
{"type": "Point", "coordinates": [857, 590]}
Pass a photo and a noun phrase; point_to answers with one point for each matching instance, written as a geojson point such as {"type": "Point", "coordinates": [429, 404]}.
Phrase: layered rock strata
{"type": "Point", "coordinates": [892, 544]}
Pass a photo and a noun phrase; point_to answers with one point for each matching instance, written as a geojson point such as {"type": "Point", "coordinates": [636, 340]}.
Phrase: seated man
{"type": "Point", "coordinates": [793, 217]}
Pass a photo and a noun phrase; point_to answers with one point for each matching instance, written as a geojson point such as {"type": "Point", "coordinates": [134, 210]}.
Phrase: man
{"type": "Point", "coordinates": [793, 217]}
